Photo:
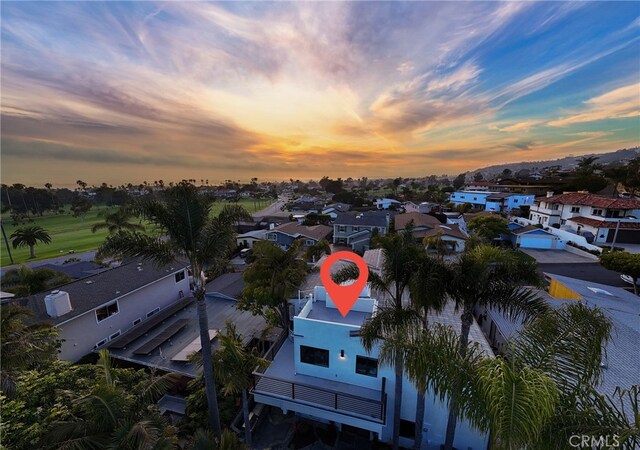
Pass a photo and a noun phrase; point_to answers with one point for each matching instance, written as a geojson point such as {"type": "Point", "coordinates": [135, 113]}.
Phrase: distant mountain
{"type": "Point", "coordinates": [568, 162]}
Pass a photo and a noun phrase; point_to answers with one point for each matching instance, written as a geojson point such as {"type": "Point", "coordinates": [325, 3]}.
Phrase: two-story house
{"type": "Point", "coordinates": [492, 201]}
{"type": "Point", "coordinates": [582, 213]}
{"type": "Point", "coordinates": [354, 229]}
{"type": "Point", "coordinates": [324, 373]}
{"type": "Point", "coordinates": [284, 235]}
{"type": "Point", "coordinates": [97, 309]}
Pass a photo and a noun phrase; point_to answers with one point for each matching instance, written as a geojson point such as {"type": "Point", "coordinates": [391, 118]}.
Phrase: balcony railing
{"type": "Point", "coordinates": [326, 399]}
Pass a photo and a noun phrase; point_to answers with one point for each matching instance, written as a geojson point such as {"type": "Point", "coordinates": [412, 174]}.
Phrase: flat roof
{"type": "Point", "coordinates": [219, 312]}
{"type": "Point", "coordinates": [319, 311]}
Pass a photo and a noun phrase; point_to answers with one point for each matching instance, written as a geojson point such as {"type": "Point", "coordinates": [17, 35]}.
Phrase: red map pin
{"type": "Point", "coordinates": [344, 296]}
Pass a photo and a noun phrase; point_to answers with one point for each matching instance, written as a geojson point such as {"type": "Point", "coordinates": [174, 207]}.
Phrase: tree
{"type": "Point", "coordinates": [80, 206]}
{"type": "Point", "coordinates": [233, 366]}
{"type": "Point", "coordinates": [478, 176]}
{"type": "Point", "coordinates": [587, 165]}
{"type": "Point", "coordinates": [489, 227]}
{"type": "Point", "coordinates": [110, 416]}
{"type": "Point", "coordinates": [388, 327]}
{"type": "Point", "coordinates": [24, 281]}
{"type": "Point", "coordinates": [436, 243]}
{"type": "Point", "coordinates": [625, 263]}
{"type": "Point", "coordinates": [459, 181]}
{"type": "Point", "coordinates": [118, 221]}
{"type": "Point", "coordinates": [23, 345]}
{"type": "Point", "coordinates": [29, 237]}
{"type": "Point", "coordinates": [506, 173]}
{"type": "Point", "coordinates": [490, 277]}
{"type": "Point", "coordinates": [184, 216]}
{"type": "Point", "coordinates": [316, 251]}
{"type": "Point", "coordinates": [271, 280]}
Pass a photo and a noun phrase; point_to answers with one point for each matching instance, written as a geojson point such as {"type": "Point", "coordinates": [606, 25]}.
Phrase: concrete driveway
{"type": "Point", "coordinates": [555, 256]}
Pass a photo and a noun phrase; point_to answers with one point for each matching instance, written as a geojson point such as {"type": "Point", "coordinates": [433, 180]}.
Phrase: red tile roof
{"type": "Point", "coordinates": [604, 224]}
{"type": "Point", "coordinates": [599, 201]}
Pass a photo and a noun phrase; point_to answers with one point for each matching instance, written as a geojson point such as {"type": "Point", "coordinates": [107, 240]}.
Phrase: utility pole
{"type": "Point", "coordinates": [615, 234]}
{"type": "Point", "coordinates": [6, 242]}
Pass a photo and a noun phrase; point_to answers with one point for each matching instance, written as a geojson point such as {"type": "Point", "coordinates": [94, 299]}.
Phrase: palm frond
{"type": "Point", "coordinates": [125, 244]}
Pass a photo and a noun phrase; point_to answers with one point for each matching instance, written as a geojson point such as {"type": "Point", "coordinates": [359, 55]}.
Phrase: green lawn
{"type": "Point", "coordinates": [72, 233]}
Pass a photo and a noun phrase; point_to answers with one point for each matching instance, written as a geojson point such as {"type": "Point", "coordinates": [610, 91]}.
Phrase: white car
{"type": "Point", "coordinates": [629, 279]}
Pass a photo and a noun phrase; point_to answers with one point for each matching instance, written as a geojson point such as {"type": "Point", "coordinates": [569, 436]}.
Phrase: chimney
{"type": "Point", "coordinates": [57, 303]}
{"type": "Point", "coordinates": [549, 194]}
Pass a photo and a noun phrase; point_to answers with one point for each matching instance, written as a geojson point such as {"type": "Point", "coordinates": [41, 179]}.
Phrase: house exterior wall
{"type": "Point", "coordinates": [342, 233]}
{"type": "Point", "coordinates": [81, 333]}
{"type": "Point", "coordinates": [476, 198]}
{"type": "Point", "coordinates": [248, 242]}
{"type": "Point", "coordinates": [335, 337]}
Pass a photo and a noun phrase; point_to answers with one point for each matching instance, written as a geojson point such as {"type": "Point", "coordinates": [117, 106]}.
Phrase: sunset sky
{"type": "Point", "coordinates": [131, 91]}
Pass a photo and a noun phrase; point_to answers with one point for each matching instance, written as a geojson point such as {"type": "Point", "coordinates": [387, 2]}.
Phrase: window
{"type": "Point", "coordinates": [597, 212]}
{"type": "Point", "coordinates": [367, 366]}
{"type": "Point", "coordinates": [106, 311]}
{"type": "Point", "coordinates": [407, 429]}
{"type": "Point", "coordinates": [114, 335]}
{"type": "Point", "coordinates": [151, 313]}
{"type": "Point", "coordinates": [137, 321]}
{"type": "Point", "coordinates": [355, 228]}
{"type": "Point", "coordinates": [180, 276]}
{"type": "Point", "coordinates": [475, 198]}
{"type": "Point", "coordinates": [315, 356]}
{"type": "Point", "coordinates": [309, 242]}
{"type": "Point", "coordinates": [98, 344]}
{"type": "Point", "coordinates": [515, 200]}
{"type": "Point", "coordinates": [271, 236]}
{"type": "Point", "coordinates": [342, 228]}
{"type": "Point", "coordinates": [575, 209]}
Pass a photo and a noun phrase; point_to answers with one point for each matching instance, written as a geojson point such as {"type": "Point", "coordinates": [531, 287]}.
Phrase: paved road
{"type": "Point", "coordinates": [273, 209]}
{"type": "Point", "coordinates": [84, 256]}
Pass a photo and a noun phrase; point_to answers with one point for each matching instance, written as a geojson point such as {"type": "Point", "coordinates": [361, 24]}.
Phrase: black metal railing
{"type": "Point", "coordinates": [327, 399]}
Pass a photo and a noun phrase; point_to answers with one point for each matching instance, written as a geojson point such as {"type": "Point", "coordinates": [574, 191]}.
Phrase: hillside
{"type": "Point", "coordinates": [567, 162]}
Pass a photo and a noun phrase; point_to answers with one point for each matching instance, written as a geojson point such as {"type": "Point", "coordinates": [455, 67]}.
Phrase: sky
{"type": "Point", "coordinates": [122, 92]}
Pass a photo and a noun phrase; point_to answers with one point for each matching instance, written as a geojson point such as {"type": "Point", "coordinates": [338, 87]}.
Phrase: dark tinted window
{"type": "Point", "coordinates": [407, 428]}
{"type": "Point", "coordinates": [179, 276]}
{"type": "Point", "coordinates": [367, 366]}
{"type": "Point", "coordinates": [315, 356]}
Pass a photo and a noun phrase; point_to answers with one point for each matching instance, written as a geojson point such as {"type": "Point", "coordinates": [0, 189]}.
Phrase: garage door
{"type": "Point", "coordinates": [625, 236]}
{"type": "Point", "coordinates": [531, 242]}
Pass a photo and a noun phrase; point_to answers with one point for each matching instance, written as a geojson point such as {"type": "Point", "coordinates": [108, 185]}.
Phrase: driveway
{"type": "Point", "coordinates": [556, 256]}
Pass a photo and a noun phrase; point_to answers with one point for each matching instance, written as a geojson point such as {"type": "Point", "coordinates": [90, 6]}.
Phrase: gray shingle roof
{"type": "Point", "coordinates": [95, 290]}
{"type": "Point", "coordinates": [366, 218]}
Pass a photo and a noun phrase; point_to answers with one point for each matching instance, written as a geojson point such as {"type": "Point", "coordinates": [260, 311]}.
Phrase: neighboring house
{"type": "Point", "coordinates": [166, 340]}
{"type": "Point", "coordinates": [97, 309]}
{"type": "Point", "coordinates": [491, 201]}
{"type": "Point", "coordinates": [421, 223]}
{"type": "Point", "coordinates": [534, 237]}
{"type": "Point", "coordinates": [79, 269]}
{"type": "Point", "coordinates": [454, 237]}
{"type": "Point", "coordinates": [424, 207]}
{"type": "Point", "coordinates": [583, 213]}
{"type": "Point", "coordinates": [386, 203]}
{"type": "Point", "coordinates": [334, 209]}
{"type": "Point", "coordinates": [620, 367]}
{"type": "Point", "coordinates": [354, 229]}
{"type": "Point", "coordinates": [248, 239]}
{"type": "Point", "coordinates": [285, 234]}
{"type": "Point", "coordinates": [323, 373]}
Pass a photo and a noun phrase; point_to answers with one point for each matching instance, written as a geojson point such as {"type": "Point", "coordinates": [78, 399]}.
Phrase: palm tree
{"type": "Point", "coordinates": [183, 215]}
{"type": "Point", "coordinates": [29, 237]}
{"type": "Point", "coordinates": [315, 251]}
{"type": "Point", "coordinates": [437, 243]}
{"type": "Point", "coordinates": [24, 281]}
{"type": "Point", "coordinates": [233, 366]}
{"type": "Point", "coordinates": [118, 221]}
{"type": "Point", "coordinates": [23, 344]}
{"type": "Point", "coordinates": [490, 277]}
{"type": "Point", "coordinates": [202, 440]}
{"type": "Point", "coordinates": [110, 417]}
{"type": "Point", "coordinates": [271, 280]}
{"type": "Point", "coordinates": [391, 323]}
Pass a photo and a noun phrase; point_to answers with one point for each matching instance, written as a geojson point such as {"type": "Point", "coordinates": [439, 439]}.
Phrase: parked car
{"type": "Point", "coordinates": [245, 252]}
{"type": "Point", "coordinates": [629, 279]}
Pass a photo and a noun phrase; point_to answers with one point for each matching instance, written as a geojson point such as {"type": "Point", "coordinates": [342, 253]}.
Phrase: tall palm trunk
{"type": "Point", "coordinates": [32, 251]}
{"type": "Point", "coordinates": [6, 241]}
{"type": "Point", "coordinates": [397, 403]}
{"type": "Point", "coordinates": [207, 362]}
{"type": "Point", "coordinates": [419, 420]}
{"type": "Point", "coordinates": [247, 422]}
{"type": "Point", "coordinates": [467, 320]}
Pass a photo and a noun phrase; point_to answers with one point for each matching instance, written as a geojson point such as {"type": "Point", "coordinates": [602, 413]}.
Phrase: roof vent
{"type": "Point", "coordinates": [89, 282]}
{"type": "Point", "coordinates": [57, 303]}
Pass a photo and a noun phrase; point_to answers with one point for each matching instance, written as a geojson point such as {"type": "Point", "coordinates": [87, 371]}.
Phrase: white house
{"type": "Point", "coordinates": [492, 201]}
{"type": "Point", "coordinates": [322, 372]}
{"type": "Point", "coordinates": [248, 239]}
{"type": "Point", "coordinates": [386, 203]}
{"type": "Point", "coordinates": [94, 310]}
{"type": "Point", "coordinates": [583, 213]}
